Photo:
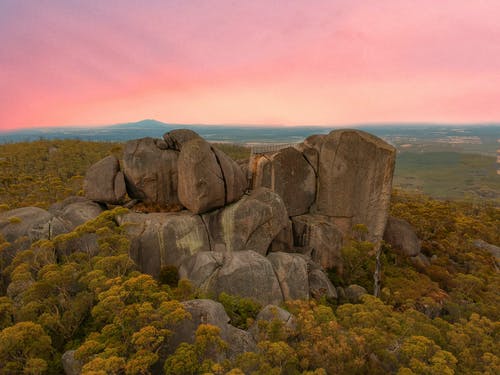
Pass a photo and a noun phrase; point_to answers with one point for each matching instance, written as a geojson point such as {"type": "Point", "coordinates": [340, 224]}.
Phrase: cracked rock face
{"type": "Point", "coordinates": [402, 237]}
{"type": "Point", "coordinates": [150, 171]}
{"type": "Point", "coordinates": [249, 224]}
{"type": "Point", "coordinates": [161, 239]}
{"type": "Point", "coordinates": [243, 273]}
{"type": "Point", "coordinates": [104, 182]}
{"type": "Point", "coordinates": [317, 237]}
{"type": "Point", "coordinates": [355, 180]}
{"type": "Point", "coordinates": [289, 174]}
{"type": "Point", "coordinates": [208, 178]}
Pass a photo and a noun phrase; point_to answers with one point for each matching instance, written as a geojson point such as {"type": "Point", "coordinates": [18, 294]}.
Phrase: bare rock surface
{"type": "Point", "coordinates": [150, 171]}
{"type": "Point", "coordinates": [242, 273]}
{"type": "Point", "coordinates": [104, 182]}
{"type": "Point", "coordinates": [208, 178]}
{"type": "Point", "coordinates": [161, 239]}
{"type": "Point", "coordinates": [319, 238]}
{"type": "Point", "coordinates": [176, 138]}
{"type": "Point", "coordinates": [402, 237]}
{"type": "Point", "coordinates": [290, 175]}
{"type": "Point", "coordinates": [249, 224]}
{"type": "Point", "coordinates": [291, 271]}
{"type": "Point", "coordinates": [355, 180]}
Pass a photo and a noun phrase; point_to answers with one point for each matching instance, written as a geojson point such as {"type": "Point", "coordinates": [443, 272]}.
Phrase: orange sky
{"type": "Point", "coordinates": [257, 62]}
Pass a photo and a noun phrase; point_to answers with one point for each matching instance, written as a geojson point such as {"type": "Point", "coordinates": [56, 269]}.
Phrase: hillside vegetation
{"type": "Point", "coordinates": [440, 319]}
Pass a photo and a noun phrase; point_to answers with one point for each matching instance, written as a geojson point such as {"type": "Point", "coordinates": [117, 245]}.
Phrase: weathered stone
{"type": "Point", "coordinates": [208, 178]}
{"type": "Point", "coordinates": [68, 215]}
{"type": "Point", "coordinates": [247, 274]}
{"type": "Point", "coordinates": [151, 172]}
{"type": "Point", "coordinates": [319, 238]}
{"type": "Point", "coordinates": [22, 227]}
{"type": "Point", "coordinates": [492, 249]}
{"type": "Point", "coordinates": [249, 224]}
{"type": "Point", "coordinates": [284, 240]}
{"type": "Point", "coordinates": [311, 148]}
{"type": "Point", "coordinates": [289, 174]}
{"type": "Point", "coordinates": [161, 239]}
{"type": "Point", "coordinates": [354, 292]}
{"type": "Point", "coordinates": [205, 311]}
{"type": "Point", "coordinates": [104, 182]}
{"type": "Point", "coordinates": [291, 271]}
{"type": "Point", "coordinates": [201, 267]}
{"type": "Point", "coordinates": [268, 314]}
{"type": "Point", "coordinates": [320, 286]}
{"type": "Point", "coordinates": [402, 237]}
{"type": "Point", "coordinates": [354, 181]}
{"type": "Point", "coordinates": [420, 262]}
{"type": "Point", "coordinates": [70, 364]}
{"type": "Point", "coordinates": [176, 138]}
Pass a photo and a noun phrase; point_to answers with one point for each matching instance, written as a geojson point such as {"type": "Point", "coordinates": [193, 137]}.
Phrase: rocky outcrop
{"type": "Point", "coordinates": [249, 224]}
{"type": "Point", "coordinates": [289, 174]}
{"type": "Point", "coordinates": [318, 237]}
{"type": "Point", "coordinates": [354, 181]}
{"type": "Point", "coordinates": [354, 292]}
{"type": "Point", "coordinates": [208, 178]}
{"type": "Point", "coordinates": [161, 239]}
{"type": "Point", "coordinates": [320, 285]}
{"type": "Point", "coordinates": [104, 182]}
{"type": "Point", "coordinates": [150, 171]}
{"type": "Point", "coordinates": [402, 237]}
{"type": "Point", "coordinates": [492, 249]}
{"type": "Point", "coordinates": [176, 138]}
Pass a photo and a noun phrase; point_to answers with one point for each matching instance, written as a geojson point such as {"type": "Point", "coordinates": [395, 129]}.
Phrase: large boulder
{"type": "Point", "coordinates": [249, 224]}
{"type": "Point", "coordinates": [269, 314]}
{"type": "Point", "coordinates": [208, 178]}
{"type": "Point", "coordinates": [242, 273]}
{"type": "Point", "coordinates": [402, 237]}
{"type": "Point", "coordinates": [150, 171]}
{"type": "Point", "coordinates": [355, 180]}
{"type": "Point", "coordinates": [289, 174]}
{"type": "Point", "coordinates": [161, 239]}
{"type": "Point", "coordinates": [206, 311]}
{"type": "Point", "coordinates": [21, 227]}
{"type": "Point", "coordinates": [311, 148]}
{"type": "Point", "coordinates": [318, 237]}
{"type": "Point", "coordinates": [68, 215]}
{"type": "Point", "coordinates": [104, 182]}
{"type": "Point", "coordinates": [291, 271]}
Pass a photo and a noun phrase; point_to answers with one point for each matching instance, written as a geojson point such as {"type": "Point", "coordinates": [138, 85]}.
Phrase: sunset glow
{"type": "Point", "coordinates": [248, 62]}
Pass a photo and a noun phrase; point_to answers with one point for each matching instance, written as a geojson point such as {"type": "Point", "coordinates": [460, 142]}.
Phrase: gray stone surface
{"type": "Point", "coordinates": [355, 181]}
{"type": "Point", "coordinates": [318, 237]}
{"type": "Point", "coordinates": [290, 175]}
{"type": "Point", "coordinates": [291, 271]}
{"type": "Point", "coordinates": [268, 314]}
{"type": "Point", "coordinates": [161, 239]}
{"type": "Point", "coordinates": [249, 224]}
{"type": "Point", "coordinates": [71, 365]}
{"type": "Point", "coordinates": [208, 178]}
{"type": "Point", "coordinates": [104, 182]}
{"type": "Point", "coordinates": [150, 171]}
{"type": "Point", "coordinates": [402, 237]}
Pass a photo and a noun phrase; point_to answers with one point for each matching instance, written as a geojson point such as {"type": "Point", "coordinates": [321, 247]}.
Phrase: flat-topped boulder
{"type": "Point", "coordinates": [150, 170]}
{"type": "Point", "coordinates": [355, 181]}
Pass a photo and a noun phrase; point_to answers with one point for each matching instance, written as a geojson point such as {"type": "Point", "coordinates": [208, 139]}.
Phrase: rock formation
{"type": "Point", "coordinates": [271, 244]}
{"type": "Point", "coordinates": [402, 237]}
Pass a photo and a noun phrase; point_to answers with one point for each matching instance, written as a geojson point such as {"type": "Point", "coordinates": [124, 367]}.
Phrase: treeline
{"type": "Point", "coordinates": [439, 318]}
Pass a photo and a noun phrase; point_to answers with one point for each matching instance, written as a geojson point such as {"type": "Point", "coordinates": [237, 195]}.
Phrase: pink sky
{"type": "Point", "coordinates": [70, 62]}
